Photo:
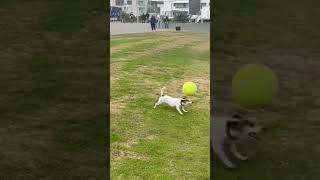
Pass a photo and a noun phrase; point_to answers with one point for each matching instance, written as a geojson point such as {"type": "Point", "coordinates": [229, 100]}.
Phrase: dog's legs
{"type": "Point", "coordinates": [178, 109]}
{"type": "Point", "coordinates": [183, 109]}
{"type": "Point", "coordinates": [157, 103]}
{"type": "Point", "coordinates": [235, 152]}
{"type": "Point", "coordinates": [222, 155]}
{"type": "Point", "coordinates": [218, 148]}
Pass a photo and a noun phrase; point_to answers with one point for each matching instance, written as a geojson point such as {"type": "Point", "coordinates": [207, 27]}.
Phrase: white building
{"type": "Point", "coordinates": [137, 7]}
{"type": "Point", "coordinates": [170, 7]}
{"type": "Point", "coordinates": [204, 3]}
{"type": "Point", "coordinates": [199, 10]}
{"type": "Point", "coordinates": [205, 10]}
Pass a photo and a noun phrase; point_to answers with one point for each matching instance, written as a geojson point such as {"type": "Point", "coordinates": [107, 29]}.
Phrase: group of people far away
{"type": "Point", "coordinates": [159, 20]}
{"type": "Point", "coordinates": [145, 18]}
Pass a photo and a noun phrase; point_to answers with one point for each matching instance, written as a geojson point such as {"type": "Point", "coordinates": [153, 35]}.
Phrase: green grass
{"type": "Point", "coordinates": [159, 143]}
{"type": "Point", "coordinates": [283, 35]}
{"type": "Point", "coordinates": [53, 90]}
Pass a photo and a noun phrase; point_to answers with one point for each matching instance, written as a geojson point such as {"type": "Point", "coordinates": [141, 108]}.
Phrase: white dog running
{"type": "Point", "coordinates": [178, 103]}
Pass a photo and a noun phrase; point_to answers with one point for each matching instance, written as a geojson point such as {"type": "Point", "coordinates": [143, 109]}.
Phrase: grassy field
{"type": "Point", "coordinates": [53, 89]}
{"type": "Point", "coordinates": [159, 143]}
{"type": "Point", "coordinates": [285, 36]}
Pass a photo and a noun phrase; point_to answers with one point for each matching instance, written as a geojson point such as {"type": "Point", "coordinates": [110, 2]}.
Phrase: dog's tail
{"type": "Point", "coordinates": [162, 94]}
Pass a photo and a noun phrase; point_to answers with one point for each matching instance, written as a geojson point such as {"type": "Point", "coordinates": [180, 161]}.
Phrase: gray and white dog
{"type": "Point", "coordinates": [178, 103]}
{"type": "Point", "coordinates": [227, 131]}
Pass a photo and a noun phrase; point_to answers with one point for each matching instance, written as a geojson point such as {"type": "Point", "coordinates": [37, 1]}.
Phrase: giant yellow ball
{"type": "Point", "coordinates": [189, 88]}
{"type": "Point", "coordinates": [254, 86]}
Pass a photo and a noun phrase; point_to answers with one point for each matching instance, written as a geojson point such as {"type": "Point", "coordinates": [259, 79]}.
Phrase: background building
{"type": "Point", "coordinates": [205, 10]}
{"type": "Point", "coordinates": [171, 8]}
{"type": "Point", "coordinates": [200, 9]}
{"type": "Point", "coordinates": [154, 6]}
{"type": "Point", "coordinates": [194, 7]}
{"type": "Point", "coordinates": [137, 7]}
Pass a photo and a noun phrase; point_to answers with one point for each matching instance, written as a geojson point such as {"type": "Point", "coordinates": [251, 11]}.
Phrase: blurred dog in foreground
{"type": "Point", "coordinates": [227, 131]}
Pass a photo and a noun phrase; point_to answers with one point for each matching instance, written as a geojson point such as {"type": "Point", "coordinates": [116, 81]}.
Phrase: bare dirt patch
{"type": "Point", "coordinates": [127, 144]}
{"type": "Point", "coordinates": [117, 48]}
{"type": "Point", "coordinates": [118, 155]}
{"type": "Point", "coordinates": [115, 71]}
{"type": "Point", "coordinates": [117, 104]}
{"type": "Point", "coordinates": [201, 47]}
{"type": "Point", "coordinates": [166, 44]}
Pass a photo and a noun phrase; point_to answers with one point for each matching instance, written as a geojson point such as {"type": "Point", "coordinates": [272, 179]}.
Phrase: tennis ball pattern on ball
{"type": "Point", "coordinates": [189, 88]}
{"type": "Point", "coordinates": [254, 86]}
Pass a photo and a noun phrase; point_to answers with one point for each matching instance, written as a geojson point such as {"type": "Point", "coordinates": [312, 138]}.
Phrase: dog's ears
{"type": "Point", "coordinates": [184, 99]}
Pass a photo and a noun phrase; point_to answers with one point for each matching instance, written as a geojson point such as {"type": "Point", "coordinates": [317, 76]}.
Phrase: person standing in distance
{"type": "Point", "coordinates": [153, 22]}
{"type": "Point", "coordinates": [166, 24]}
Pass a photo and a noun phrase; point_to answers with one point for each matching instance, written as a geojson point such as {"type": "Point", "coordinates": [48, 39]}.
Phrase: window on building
{"type": "Point", "coordinates": [142, 11]}
{"type": "Point", "coordinates": [203, 5]}
{"type": "Point", "coordinates": [180, 5]}
{"type": "Point", "coordinates": [140, 3]}
{"type": "Point", "coordinates": [129, 2]}
{"type": "Point", "coordinates": [119, 2]}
